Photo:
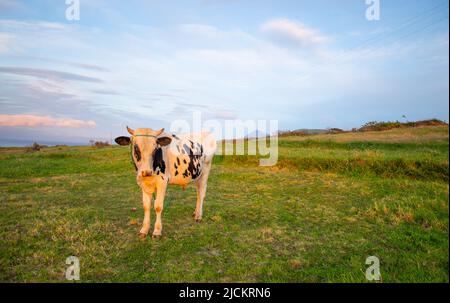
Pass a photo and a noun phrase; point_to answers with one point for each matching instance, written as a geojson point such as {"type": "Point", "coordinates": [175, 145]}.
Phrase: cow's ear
{"type": "Point", "coordinates": [122, 140]}
{"type": "Point", "coordinates": [163, 141]}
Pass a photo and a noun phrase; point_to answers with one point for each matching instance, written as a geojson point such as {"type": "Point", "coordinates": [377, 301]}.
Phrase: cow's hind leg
{"type": "Point", "coordinates": [146, 203]}
{"type": "Point", "coordinates": [201, 185]}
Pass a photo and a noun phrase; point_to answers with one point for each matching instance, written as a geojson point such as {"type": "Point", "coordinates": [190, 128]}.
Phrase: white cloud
{"type": "Point", "coordinates": [47, 74]}
{"type": "Point", "coordinates": [58, 37]}
{"type": "Point", "coordinates": [40, 121]}
{"type": "Point", "coordinates": [236, 72]}
{"type": "Point", "coordinates": [10, 4]}
{"type": "Point", "coordinates": [200, 29]}
{"type": "Point", "coordinates": [31, 25]}
{"type": "Point", "coordinates": [292, 32]}
{"type": "Point", "coordinates": [5, 43]}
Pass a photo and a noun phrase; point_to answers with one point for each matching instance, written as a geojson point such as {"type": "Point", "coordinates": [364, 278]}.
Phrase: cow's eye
{"type": "Point", "coordinates": [137, 153]}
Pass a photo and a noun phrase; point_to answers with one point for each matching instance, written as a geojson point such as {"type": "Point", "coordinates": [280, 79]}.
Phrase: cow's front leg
{"type": "Point", "coordinates": [159, 201]}
{"type": "Point", "coordinates": [147, 204]}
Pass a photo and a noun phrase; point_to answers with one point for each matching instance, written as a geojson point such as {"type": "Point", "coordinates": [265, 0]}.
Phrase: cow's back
{"type": "Point", "coordinates": [188, 154]}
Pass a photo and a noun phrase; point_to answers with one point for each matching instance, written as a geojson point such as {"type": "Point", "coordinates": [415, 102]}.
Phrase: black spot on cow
{"type": "Point", "coordinates": [137, 152]}
{"type": "Point", "coordinates": [175, 165]}
{"type": "Point", "coordinates": [158, 161]}
{"type": "Point", "coordinates": [178, 161]}
{"type": "Point", "coordinates": [194, 166]}
{"type": "Point", "coordinates": [184, 160]}
{"type": "Point", "coordinates": [176, 172]}
{"type": "Point", "coordinates": [137, 155]}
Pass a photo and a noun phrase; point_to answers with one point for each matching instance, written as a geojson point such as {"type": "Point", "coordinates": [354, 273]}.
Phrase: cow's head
{"type": "Point", "coordinates": [144, 144]}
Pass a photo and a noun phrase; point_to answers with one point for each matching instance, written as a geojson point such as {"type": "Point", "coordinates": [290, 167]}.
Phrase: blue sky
{"type": "Point", "coordinates": [308, 64]}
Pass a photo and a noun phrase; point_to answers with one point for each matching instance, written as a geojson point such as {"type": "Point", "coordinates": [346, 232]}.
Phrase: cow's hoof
{"type": "Point", "coordinates": [156, 236]}
{"type": "Point", "coordinates": [142, 235]}
{"type": "Point", "coordinates": [198, 220]}
{"type": "Point", "coordinates": [193, 214]}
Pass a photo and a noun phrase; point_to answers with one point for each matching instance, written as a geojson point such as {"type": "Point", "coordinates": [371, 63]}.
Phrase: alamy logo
{"type": "Point", "coordinates": [73, 271]}
{"type": "Point", "coordinates": [373, 271]}
{"type": "Point", "coordinates": [373, 11]}
{"type": "Point", "coordinates": [73, 10]}
{"type": "Point", "coordinates": [248, 132]}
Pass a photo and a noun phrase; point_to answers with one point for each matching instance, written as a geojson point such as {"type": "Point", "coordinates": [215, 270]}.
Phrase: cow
{"type": "Point", "coordinates": [161, 159]}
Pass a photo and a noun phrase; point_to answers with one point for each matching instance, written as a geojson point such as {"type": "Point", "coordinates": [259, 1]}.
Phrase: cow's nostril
{"type": "Point", "coordinates": [146, 173]}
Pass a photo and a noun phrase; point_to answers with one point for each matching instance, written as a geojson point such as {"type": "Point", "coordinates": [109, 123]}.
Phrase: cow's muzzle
{"type": "Point", "coordinates": [146, 173]}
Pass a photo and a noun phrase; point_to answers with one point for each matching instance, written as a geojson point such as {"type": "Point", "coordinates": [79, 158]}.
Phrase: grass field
{"type": "Point", "coordinates": [332, 201]}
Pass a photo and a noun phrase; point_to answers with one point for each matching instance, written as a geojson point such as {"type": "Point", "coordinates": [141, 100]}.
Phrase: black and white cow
{"type": "Point", "coordinates": [162, 159]}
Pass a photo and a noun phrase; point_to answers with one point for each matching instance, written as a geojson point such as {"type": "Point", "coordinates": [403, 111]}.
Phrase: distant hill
{"type": "Point", "coordinates": [256, 134]}
{"type": "Point", "coordinates": [10, 142]}
{"type": "Point", "coordinates": [302, 132]}
{"type": "Point", "coordinates": [311, 131]}
{"type": "Point", "coordinates": [369, 126]}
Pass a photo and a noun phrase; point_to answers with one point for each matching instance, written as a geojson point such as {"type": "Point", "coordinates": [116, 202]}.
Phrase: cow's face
{"type": "Point", "coordinates": [144, 142]}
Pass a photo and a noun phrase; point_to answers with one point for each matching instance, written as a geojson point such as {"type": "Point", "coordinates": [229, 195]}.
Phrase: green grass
{"type": "Point", "coordinates": [315, 217]}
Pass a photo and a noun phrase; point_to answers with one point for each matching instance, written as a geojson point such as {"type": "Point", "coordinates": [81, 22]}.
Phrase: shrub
{"type": "Point", "coordinates": [287, 133]}
{"type": "Point", "coordinates": [99, 143]}
{"type": "Point", "coordinates": [379, 126]}
{"type": "Point", "coordinates": [335, 130]}
{"type": "Point", "coordinates": [35, 147]}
